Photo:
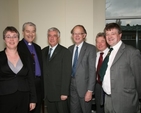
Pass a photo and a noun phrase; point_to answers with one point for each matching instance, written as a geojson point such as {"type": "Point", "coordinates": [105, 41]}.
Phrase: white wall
{"type": "Point", "coordinates": [63, 14]}
{"type": "Point", "coordinates": [8, 17]}
{"type": "Point", "coordinates": [99, 16]}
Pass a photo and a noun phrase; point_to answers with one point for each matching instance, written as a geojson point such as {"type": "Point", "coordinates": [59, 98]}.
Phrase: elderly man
{"type": "Point", "coordinates": [57, 73]}
{"type": "Point", "coordinates": [34, 52]}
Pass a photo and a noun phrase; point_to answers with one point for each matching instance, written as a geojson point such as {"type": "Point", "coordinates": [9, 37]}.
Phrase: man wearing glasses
{"type": "Point", "coordinates": [83, 71]}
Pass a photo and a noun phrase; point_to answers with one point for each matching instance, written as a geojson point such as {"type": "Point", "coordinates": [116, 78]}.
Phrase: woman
{"type": "Point", "coordinates": [17, 90]}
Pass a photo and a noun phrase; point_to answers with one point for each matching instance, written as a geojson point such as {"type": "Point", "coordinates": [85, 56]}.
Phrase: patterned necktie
{"type": "Point", "coordinates": [98, 67]}
{"type": "Point", "coordinates": [49, 54]}
{"type": "Point", "coordinates": [104, 65]}
{"type": "Point", "coordinates": [75, 62]}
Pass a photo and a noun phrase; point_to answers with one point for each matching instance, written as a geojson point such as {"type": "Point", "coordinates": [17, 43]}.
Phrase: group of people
{"type": "Point", "coordinates": [67, 78]}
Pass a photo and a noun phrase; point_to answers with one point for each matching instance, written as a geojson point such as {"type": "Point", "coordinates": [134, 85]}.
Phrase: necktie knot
{"type": "Point", "coordinates": [101, 54]}
{"type": "Point", "coordinates": [50, 49]}
{"type": "Point", "coordinates": [111, 49]}
{"type": "Point", "coordinates": [77, 48]}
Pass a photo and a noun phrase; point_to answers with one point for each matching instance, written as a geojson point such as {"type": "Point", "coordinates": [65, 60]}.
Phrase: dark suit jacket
{"type": "Point", "coordinates": [57, 72]}
{"type": "Point", "coordinates": [11, 82]}
{"type": "Point", "coordinates": [23, 47]}
{"type": "Point", "coordinates": [126, 80]}
{"type": "Point", "coordinates": [85, 71]}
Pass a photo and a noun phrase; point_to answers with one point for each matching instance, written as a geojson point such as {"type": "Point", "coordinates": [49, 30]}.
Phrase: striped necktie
{"type": "Point", "coordinates": [104, 65]}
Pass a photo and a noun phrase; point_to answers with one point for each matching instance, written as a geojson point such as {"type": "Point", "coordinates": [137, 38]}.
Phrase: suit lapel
{"type": "Point", "coordinates": [23, 59]}
{"type": "Point", "coordinates": [5, 66]}
{"type": "Point", "coordinates": [71, 50]}
{"type": "Point", "coordinates": [24, 47]}
{"type": "Point", "coordinates": [46, 57]}
{"type": "Point", "coordinates": [57, 49]}
{"type": "Point", "coordinates": [81, 54]}
{"type": "Point", "coordinates": [119, 53]}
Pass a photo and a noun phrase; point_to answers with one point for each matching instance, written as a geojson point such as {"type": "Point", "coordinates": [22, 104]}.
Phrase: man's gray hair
{"type": "Point", "coordinates": [54, 29]}
{"type": "Point", "coordinates": [30, 24]}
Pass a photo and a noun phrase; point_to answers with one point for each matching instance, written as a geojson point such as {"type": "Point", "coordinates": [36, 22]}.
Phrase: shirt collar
{"type": "Point", "coordinates": [27, 43]}
{"type": "Point", "coordinates": [116, 47]}
{"type": "Point", "coordinates": [53, 48]}
{"type": "Point", "coordinates": [80, 45]}
{"type": "Point", "coordinates": [105, 51]}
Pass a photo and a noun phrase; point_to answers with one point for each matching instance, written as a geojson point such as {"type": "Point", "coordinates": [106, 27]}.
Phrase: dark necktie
{"type": "Point", "coordinates": [49, 54]}
{"type": "Point", "coordinates": [75, 62]}
{"type": "Point", "coordinates": [104, 65]}
{"type": "Point", "coordinates": [33, 55]}
{"type": "Point", "coordinates": [98, 66]}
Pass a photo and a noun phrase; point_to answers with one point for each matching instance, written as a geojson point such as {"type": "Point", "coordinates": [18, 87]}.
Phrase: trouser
{"type": "Point", "coordinates": [17, 102]}
{"type": "Point", "coordinates": [78, 104]}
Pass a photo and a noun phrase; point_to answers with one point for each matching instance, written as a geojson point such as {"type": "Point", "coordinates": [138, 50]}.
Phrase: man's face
{"type": "Point", "coordinates": [113, 37]}
{"type": "Point", "coordinates": [29, 33]}
{"type": "Point", "coordinates": [101, 43]}
{"type": "Point", "coordinates": [78, 35]}
{"type": "Point", "coordinates": [53, 38]}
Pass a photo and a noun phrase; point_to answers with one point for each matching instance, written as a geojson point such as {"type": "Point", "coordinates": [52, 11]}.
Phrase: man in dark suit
{"type": "Point", "coordinates": [103, 49]}
{"type": "Point", "coordinates": [122, 79]}
{"type": "Point", "coordinates": [57, 73]}
{"type": "Point", "coordinates": [83, 72]}
{"type": "Point", "coordinates": [34, 52]}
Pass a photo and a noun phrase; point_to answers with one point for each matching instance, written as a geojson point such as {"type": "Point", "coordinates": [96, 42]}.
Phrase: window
{"type": "Point", "coordinates": [126, 13]}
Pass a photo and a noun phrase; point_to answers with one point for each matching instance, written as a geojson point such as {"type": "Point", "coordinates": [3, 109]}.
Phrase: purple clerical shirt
{"type": "Point", "coordinates": [35, 57]}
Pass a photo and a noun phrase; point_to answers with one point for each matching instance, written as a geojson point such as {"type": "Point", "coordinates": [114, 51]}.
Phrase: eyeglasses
{"type": "Point", "coordinates": [77, 34]}
{"type": "Point", "coordinates": [8, 37]}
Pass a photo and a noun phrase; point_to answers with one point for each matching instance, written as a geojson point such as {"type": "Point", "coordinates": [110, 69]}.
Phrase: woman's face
{"type": "Point", "coordinates": [11, 40]}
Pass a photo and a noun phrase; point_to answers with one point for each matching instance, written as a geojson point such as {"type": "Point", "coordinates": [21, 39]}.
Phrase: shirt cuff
{"type": "Point", "coordinates": [90, 91]}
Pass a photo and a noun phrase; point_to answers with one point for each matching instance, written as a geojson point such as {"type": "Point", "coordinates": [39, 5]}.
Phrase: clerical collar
{"type": "Point", "coordinates": [27, 43]}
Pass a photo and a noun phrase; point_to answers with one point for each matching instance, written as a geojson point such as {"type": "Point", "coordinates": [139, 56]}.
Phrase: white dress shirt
{"type": "Point", "coordinates": [53, 48]}
{"type": "Point", "coordinates": [98, 55]}
{"type": "Point", "coordinates": [106, 84]}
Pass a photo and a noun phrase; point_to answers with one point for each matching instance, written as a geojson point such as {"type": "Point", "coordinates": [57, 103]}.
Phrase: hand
{"type": "Point", "coordinates": [32, 106]}
{"type": "Point", "coordinates": [88, 96]}
{"type": "Point", "coordinates": [64, 97]}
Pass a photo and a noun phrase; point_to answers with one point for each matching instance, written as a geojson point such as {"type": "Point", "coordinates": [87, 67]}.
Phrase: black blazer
{"type": "Point", "coordinates": [11, 82]}
{"type": "Point", "coordinates": [23, 47]}
{"type": "Point", "coordinates": [57, 72]}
